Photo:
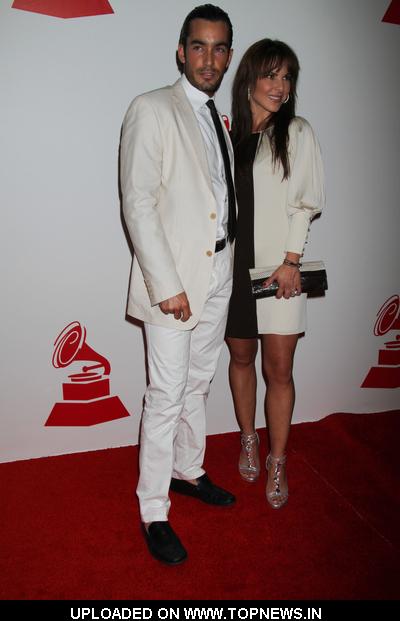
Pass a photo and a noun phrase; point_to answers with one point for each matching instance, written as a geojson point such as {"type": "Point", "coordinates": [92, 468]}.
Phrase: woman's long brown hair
{"type": "Point", "coordinates": [260, 59]}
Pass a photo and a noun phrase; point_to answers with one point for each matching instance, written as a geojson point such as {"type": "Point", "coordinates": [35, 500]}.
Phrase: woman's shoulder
{"type": "Point", "coordinates": [301, 134]}
{"type": "Point", "coordinates": [299, 124]}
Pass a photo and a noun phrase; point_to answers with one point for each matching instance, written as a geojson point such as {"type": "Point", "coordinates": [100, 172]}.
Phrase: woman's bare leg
{"type": "Point", "coordinates": [277, 360]}
{"type": "Point", "coordinates": [243, 381]}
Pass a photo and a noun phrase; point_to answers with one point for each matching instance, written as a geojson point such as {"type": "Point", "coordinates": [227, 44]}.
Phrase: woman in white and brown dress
{"type": "Point", "coordinates": [279, 184]}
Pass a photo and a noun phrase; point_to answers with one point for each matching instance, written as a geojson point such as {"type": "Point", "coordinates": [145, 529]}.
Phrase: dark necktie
{"type": "Point", "coordinates": [228, 175]}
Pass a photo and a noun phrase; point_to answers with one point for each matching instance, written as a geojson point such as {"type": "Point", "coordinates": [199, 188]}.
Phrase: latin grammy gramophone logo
{"type": "Point", "coordinates": [86, 395]}
{"type": "Point", "coordinates": [63, 8]}
{"type": "Point", "coordinates": [387, 373]}
{"type": "Point", "coordinates": [392, 15]}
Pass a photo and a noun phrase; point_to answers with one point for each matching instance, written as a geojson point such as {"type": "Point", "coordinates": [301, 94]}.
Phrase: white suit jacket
{"type": "Point", "coordinates": [168, 204]}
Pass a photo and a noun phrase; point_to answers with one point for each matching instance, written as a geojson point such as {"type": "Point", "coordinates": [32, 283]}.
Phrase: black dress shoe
{"type": "Point", "coordinates": [164, 544]}
{"type": "Point", "coordinates": [204, 490]}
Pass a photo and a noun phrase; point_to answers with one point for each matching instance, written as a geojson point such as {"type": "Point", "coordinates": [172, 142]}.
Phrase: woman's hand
{"type": "Point", "coordinates": [288, 279]}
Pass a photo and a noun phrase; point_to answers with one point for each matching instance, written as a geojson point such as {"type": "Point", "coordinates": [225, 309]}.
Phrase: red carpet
{"type": "Point", "coordinates": [70, 524]}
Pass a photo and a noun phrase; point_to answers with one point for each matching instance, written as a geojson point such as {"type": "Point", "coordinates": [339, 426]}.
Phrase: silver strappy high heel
{"type": "Point", "coordinates": [249, 461]}
{"type": "Point", "coordinates": [277, 492]}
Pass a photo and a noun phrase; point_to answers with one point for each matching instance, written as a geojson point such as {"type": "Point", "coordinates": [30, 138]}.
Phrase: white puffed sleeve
{"type": "Point", "coordinates": [306, 192]}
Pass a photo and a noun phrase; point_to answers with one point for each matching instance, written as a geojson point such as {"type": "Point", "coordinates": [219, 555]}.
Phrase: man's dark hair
{"type": "Point", "coordinates": [211, 13]}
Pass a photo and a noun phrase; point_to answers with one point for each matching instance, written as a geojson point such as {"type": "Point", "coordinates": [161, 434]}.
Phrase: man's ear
{"type": "Point", "coordinates": [181, 54]}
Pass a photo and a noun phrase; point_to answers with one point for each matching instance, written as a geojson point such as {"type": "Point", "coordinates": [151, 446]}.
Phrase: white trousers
{"type": "Point", "coordinates": [181, 365]}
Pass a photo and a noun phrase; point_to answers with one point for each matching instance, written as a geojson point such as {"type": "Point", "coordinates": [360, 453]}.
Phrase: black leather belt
{"type": "Point", "coordinates": [220, 244]}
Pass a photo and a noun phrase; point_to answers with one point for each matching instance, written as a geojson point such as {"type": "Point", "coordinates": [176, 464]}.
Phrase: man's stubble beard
{"type": "Point", "coordinates": [209, 89]}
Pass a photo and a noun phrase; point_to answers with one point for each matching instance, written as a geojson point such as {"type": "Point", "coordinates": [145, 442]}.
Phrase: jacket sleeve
{"type": "Point", "coordinates": [306, 193]}
{"type": "Point", "coordinates": [141, 184]}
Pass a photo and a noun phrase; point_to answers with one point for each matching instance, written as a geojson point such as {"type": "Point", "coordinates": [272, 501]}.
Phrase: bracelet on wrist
{"type": "Point", "coordinates": [291, 263]}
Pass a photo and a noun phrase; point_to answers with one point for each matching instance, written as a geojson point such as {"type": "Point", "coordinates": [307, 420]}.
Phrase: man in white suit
{"type": "Point", "coordinates": [180, 210]}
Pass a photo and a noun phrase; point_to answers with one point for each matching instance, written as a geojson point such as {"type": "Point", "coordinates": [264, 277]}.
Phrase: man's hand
{"type": "Point", "coordinates": [178, 306]}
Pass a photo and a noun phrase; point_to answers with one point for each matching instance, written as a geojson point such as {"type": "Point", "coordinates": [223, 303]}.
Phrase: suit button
{"type": "Point", "coordinates": [209, 253]}
{"type": "Point", "coordinates": [213, 215]}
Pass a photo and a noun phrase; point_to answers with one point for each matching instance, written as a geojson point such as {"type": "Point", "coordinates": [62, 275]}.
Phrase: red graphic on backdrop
{"type": "Point", "coordinates": [226, 121]}
{"type": "Point", "coordinates": [387, 373]}
{"type": "Point", "coordinates": [86, 395]}
{"type": "Point", "coordinates": [61, 8]}
{"type": "Point", "coordinates": [392, 15]}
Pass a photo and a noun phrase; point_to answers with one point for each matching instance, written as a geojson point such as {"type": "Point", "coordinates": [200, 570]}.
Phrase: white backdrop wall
{"type": "Point", "coordinates": [65, 86]}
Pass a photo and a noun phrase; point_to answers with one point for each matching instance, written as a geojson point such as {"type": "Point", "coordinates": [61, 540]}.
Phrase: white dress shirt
{"type": "Point", "coordinates": [198, 101]}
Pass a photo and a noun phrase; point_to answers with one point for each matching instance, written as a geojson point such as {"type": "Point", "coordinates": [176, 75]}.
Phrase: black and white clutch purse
{"type": "Point", "coordinates": [313, 277]}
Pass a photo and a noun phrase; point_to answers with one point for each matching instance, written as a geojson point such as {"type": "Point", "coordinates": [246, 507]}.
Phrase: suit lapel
{"type": "Point", "coordinates": [191, 126]}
